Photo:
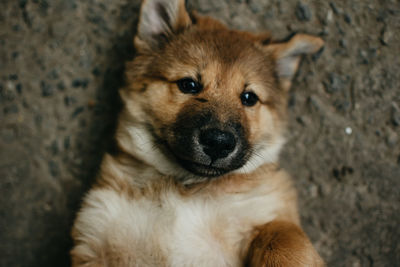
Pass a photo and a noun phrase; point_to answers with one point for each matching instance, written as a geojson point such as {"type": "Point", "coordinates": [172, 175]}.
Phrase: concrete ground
{"type": "Point", "coordinates": [61, 63]}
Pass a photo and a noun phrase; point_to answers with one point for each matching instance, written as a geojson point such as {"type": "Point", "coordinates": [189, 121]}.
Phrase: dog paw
{"type": "Point", "coordinates": [282, 244]}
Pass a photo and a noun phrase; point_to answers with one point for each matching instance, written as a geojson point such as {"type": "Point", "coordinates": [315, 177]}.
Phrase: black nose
{"type": "Point", "coordinates": [216, 143]}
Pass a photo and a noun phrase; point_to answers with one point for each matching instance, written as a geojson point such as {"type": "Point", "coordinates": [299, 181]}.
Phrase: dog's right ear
{"type": "Point", "coordinates": [159, 21]}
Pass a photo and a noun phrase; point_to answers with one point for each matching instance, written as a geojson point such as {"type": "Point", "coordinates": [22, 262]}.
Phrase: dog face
{"type": "Point", "coordinates": [202, 100]}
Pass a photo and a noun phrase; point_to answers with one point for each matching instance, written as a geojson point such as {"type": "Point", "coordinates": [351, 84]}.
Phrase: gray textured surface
{"type": "Point", "coordinates": [61, 63]}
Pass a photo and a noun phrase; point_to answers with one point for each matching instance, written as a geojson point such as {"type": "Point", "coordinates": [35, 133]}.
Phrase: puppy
{"type": "Point", "coordinates": [196, 181]}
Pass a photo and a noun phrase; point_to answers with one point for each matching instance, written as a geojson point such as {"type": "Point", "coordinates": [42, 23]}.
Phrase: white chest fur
{"type": "Point", "coordinates": [173, 230]}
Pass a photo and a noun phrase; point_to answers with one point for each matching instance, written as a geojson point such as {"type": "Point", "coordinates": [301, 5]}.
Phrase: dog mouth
{"type": "Point", "coordinates": [201, 169]}
{"type": "Point", "coordinates": [202, 165]}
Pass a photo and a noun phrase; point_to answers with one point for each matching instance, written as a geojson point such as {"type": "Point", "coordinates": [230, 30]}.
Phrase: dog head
{"type": "Point", "coordinates": [202, 100]}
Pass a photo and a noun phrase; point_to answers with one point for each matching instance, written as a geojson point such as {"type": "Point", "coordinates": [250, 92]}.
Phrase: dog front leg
{"type": "Point", "coordinates": [282, 243]}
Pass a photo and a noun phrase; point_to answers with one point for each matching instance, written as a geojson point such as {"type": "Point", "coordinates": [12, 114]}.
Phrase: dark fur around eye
{"type": "Point", "coordinates": [189, 86]}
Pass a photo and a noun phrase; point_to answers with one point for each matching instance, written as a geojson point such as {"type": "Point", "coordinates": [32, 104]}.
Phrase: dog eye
{"type": "Point", "coordinates": [249, 98]}
{"type": "Point", "coordinates": [189, 86]}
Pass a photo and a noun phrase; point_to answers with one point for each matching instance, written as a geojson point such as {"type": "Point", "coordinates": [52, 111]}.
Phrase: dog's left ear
{"type": "Point", "coordinates": [159, 21]}
{"type": "Point", "coordinates": [287, 55]}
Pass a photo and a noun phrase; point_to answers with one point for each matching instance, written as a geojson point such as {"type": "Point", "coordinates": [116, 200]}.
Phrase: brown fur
{"type": "Point", "coordinates": [227, 63]}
